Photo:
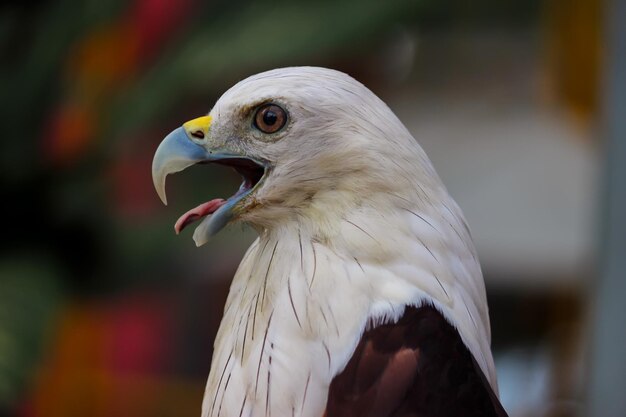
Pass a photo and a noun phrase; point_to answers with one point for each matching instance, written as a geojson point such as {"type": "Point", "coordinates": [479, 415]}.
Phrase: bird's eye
{"type": "Point", "coordinates": [270, 118]}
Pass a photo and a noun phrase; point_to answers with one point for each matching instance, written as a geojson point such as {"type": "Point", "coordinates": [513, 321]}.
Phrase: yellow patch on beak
{"type": "Point", "coordinates": [199, 127]}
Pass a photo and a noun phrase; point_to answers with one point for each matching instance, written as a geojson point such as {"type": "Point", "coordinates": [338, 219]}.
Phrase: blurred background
{"type": "Point", "coordinates": [521, 105]}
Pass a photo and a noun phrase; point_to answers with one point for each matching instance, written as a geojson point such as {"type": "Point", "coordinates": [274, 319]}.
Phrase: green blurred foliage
{"type": "Point", "coordinates": [29, 299]}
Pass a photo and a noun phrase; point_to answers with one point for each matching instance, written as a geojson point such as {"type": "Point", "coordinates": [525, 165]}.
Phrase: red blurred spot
{"type": "Point", "coordinates": [155, 20]}
{"type": "Point", "coordinates": [139, 338]}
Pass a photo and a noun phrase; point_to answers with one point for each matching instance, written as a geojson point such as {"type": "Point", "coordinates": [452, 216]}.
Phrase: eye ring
{"type": "Point", "coordinates": [270, 118]}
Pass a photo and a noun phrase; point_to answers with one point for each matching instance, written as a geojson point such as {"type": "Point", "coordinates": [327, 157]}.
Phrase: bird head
{"type": "Point", "coordinates": [309, 143]}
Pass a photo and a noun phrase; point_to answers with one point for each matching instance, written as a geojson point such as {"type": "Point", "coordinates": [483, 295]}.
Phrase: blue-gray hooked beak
{"type": "Point", "coordinates": [178, 151]}
{"type": "Point", "coordinates": [174, 154]}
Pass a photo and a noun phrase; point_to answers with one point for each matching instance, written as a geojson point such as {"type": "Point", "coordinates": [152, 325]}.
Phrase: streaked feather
{"type": "Point", "coordinates": [354, 226]}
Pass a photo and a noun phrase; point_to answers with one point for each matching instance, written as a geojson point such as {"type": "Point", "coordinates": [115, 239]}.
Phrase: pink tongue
{"type": "Point", "coordinates": [197, 213]}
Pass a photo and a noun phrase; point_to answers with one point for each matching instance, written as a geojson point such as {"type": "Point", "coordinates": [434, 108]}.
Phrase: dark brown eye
{"type": "Point", "coordinates": [270, 118]}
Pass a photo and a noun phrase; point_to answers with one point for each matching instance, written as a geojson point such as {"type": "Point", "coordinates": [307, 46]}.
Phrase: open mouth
{"type": "Point", "coordinates": [252, 173]}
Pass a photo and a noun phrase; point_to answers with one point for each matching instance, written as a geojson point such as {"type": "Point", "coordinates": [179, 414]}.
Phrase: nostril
{"type": "Point", "coordinates": [198, 134]}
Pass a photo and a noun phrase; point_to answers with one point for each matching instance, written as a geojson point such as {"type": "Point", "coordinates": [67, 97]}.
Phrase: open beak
{"type": "Point", "coordinates": [191, 144]}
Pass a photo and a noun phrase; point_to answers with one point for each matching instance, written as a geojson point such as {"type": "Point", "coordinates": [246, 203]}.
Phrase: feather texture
{"type": "Point", "coordinates": [354, 227]}
{"type": "Point", "coordinates": [417, 366]}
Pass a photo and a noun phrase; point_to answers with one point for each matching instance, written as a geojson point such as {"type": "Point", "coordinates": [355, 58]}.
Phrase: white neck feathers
{"type": "Point", "coordinates": [305, 292]}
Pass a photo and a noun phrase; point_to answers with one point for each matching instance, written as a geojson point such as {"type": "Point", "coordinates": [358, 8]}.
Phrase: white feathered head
{"type": "Point", "coordinates": [310, 143]}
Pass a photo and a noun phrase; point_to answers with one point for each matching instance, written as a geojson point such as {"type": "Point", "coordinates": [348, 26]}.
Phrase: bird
{"type": "Point", "coordinates": [362, 294]}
